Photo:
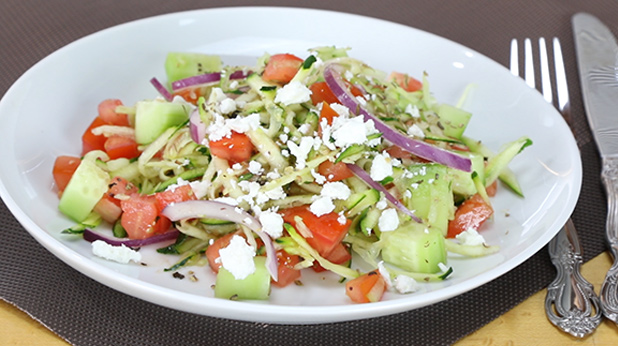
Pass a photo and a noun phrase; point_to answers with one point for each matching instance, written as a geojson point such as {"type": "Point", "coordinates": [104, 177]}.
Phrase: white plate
{"type": "Point", "coordinates": [44, 113]}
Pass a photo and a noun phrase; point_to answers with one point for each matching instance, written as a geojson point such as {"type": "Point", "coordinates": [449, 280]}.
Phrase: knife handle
{"type": "Point", "coordinates": [609, 289]}
{"type": "Point", "coordinates": [571, 303]}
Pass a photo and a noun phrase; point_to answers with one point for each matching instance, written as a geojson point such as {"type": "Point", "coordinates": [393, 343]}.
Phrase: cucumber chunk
{"type": "Point", "coordinates": [254, 286]}
{"type": "Point", "coordinates": [182, 65]}
{"type": "Point", "coordinates": [455, 120]}
{"type": "Point", "coordinates": [85, 189]}
{"type": "Point", "coordinates": [414, 247]}
{"type": "Point", "coordinates": [431, 194]}
{"type": "Point", "coordinates": [152, 118]}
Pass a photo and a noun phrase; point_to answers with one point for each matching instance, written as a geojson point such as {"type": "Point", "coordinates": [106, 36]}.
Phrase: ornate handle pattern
{"type": "Point", "coordinates": [609, 289]}
{"type": "Point", "coordinates": [571, 303]}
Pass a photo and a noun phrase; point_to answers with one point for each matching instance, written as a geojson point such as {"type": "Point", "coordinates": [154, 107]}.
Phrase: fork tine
{"type": "Point", "coordinates": [545, 78]}
{"type": "Point", "coordinates": [514, 58]}
{"type": "Point", "coordinates": [529, 63]}
{"type": "Point", "coordinates": [562, 88]}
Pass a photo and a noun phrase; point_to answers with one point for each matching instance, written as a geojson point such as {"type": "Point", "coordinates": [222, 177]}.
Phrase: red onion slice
{"type": "Point", "coordinates": [196, 80]}
{"type": "Point", "coordinates": [197, 128]}
{"type": "Point", "coordinates": [222, 211]}
{"type": "Point", "coordinates": [161, 89]}
{"type": "Point", "coordinates": [374, 184]}
{"type": "Point", "coordinates": [91, 236]}
{"type": "Point", "coordinates": [419, 148]}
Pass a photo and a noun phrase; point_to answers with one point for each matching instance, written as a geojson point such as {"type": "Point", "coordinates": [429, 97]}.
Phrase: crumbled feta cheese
{"type": "Point", "coordinates": [227, 106]}
{"type": "Point", "coordinates": [322, 205]}
{"type": "Point", "coordinates": [349, 131]}
{"type": "Point", "coordinates": [304, 128]}
{"type": "Point", "coordinates": [273, 175]}
{"type": "Point", "coordinates": [407, 193]}
{"type": "Point", "coordinates": [276, 193]}
{"type": "Point", "coordinates": [292, 93]}
{"type": "Point", "coordinates": [237, 166]}
{"type": "Point", "coordinates": [405, 284]}
{"type": "Point", "coordinates": [200, 188]}
{"type": "Point", "coordinates": [237, 258]}
{"type": "Point", "coordinates": [300, 151]}
{"type": "Point", "coordinates": [342, 219]}
{"type": "Point", "coordinates": [255, 168]}
{"type": "Point", "coordinates": [381, 204]}
{"type": "Point", "coordinates": [222, 127]}
{"type": "Point", "coordinates": [389, 220]}
{"type": "Point", "coordinates": [381, 167]}
{"type": "Point", "coordinates": [272, 223]}
{"type": "Point", "coordinates": [234, 84]}
{"type": "Point", "coordinates": [340, 109]}
{"type": "Point", "coordinates": [180, 182]}
{"type": "Point", "coordinates": [413, 111]}
{"type": "Point", "coordinates": [120, 254]}
{"type": "Point", "coordinates": [470, 237]}
{"type": "Point", "coordinates": [336, 190]}
{"type": "Point", "coordinates": [319, 179]}
{"type": "Point", "coordinates": [416, 131]}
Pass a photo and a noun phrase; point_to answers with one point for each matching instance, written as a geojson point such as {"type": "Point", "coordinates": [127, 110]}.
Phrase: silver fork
{"type": "Point", "coordinates": [571, 303]}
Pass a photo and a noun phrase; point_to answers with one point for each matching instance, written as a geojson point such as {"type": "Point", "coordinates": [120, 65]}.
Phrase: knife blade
{"type": "Point", "coordinates": [596, 57]}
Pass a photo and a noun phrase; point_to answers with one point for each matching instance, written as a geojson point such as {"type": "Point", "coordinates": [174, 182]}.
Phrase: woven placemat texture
{"type": "Point", "coordinates": [84, 312]}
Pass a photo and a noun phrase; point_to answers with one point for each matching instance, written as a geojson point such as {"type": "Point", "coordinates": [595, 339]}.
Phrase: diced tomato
{"type": "Point", "coordinates": [406, 82]}
{"type": "Point", "coordinates": [320, 92]}
{"type": "Point", "coordinates": [327, 113]}
{"type": "Point", "coordinates": [470, 214]}
{"type": "Point", "coordinates": [90, 141]}
{"type": "Point", "coordinates": [281, 68]}
{"type": "Point", "coordinates": [120, 188]}
{"type": "Point", "coordinates": [286, 271]}
{"type": "Point", "coordinates": [326, 230]}
{"type": "Point", "coordinates": [107, 112]}
{"type": "Point", "coordinates": [334, 171]}
{"type": "Point", "coordinates": [340, 255]}
{"type": "Point", "coordinates": [108, 208]}
{"type": "Point", "coordinates": [179, 194]}
{"type": "Point", "coordinates": [366, 288]}
{"type": "Point", "coordinates": [492, 189]}
{"type": "Point", "coordinates": [63, 170]}
{"type": "Point", "coordinates": [140, 217]}
{"type": "Point", "coordinates": [212, 251]}
{"type": "Point", "coordinates": [120, 146]}
{"type": "Point", "coordinates": [236, 148]}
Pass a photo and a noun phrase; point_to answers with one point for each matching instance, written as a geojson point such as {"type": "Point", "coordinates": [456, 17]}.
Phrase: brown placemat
{"type": "Point", "coordinates": [85, 312]}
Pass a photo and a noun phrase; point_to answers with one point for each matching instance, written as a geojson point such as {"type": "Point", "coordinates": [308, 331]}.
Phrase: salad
{"type": "Point", "coordinates": [261, 172]}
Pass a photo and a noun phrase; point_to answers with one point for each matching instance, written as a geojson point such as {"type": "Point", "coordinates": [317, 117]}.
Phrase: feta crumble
{"type": "Point", "coordinates": [237, 258]}
{"type": "Point", "coordinates": [381, 167]}
{"type": "Point", "coordinates": [336, 190]}
{"type": "Point", "coordinates": [405, 284]}
{"type": "Point", "coordinates": [272, 223]}
{"type": "Point", "coordinates": [416, 131]}
{"type": "Point", "coordinates": [120, 254]}
{"type": "Point", "coordinates": [322, 205]}
{"type": "Point", "coordinates": [293, 93]}
{"type": "Point", "coordinates": [389, 220]}
{"type": "Point", "coordinates": [470, 237]}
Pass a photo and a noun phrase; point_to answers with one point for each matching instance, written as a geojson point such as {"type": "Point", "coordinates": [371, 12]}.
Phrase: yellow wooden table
{"type": "Point", "coordinates": [525, 324]}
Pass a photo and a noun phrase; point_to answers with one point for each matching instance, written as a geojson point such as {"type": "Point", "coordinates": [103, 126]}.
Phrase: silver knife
{"type": "Point", "coordinates": [596, 56]}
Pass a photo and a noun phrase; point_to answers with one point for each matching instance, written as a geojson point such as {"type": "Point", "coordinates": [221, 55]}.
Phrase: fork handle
{"type": "Point", "coordinates": [609, 289]}
{"type": "Point", "coordinates": [571, 303]}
